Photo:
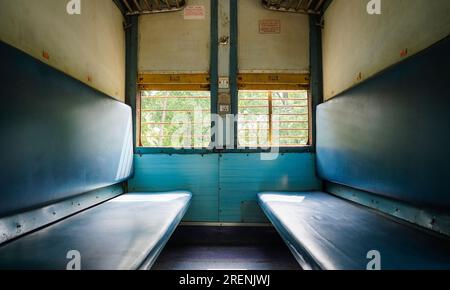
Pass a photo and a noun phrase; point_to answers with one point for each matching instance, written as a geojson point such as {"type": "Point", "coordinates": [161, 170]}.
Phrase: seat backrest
{"type": "Point", "coordinates": [390, 134]}
{"type": "Point", "coordinates": [60, 137]}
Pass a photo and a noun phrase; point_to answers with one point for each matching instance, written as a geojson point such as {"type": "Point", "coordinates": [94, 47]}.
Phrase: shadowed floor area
{"type": "Point", "coordinates": [226, 248]}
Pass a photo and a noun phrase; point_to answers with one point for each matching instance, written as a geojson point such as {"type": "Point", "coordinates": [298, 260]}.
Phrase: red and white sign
{"type": "Point", "coordinates": [194, 12]}
{"type": "Point", "coordinates": [270, 26]}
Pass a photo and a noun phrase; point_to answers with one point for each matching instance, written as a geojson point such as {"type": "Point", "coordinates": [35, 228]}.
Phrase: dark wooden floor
{"type": "Point", "coordinates": [226, 248]}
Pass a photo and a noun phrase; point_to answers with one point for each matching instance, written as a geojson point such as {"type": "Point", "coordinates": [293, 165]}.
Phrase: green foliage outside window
{"type": "Point", "coordinates": [273, 118]}
{"type": "Point", "coordinates": [175, 119]}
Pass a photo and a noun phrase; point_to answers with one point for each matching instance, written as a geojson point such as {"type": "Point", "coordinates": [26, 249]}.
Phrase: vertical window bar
{"type": "Point", "coordinates": [270, 117]}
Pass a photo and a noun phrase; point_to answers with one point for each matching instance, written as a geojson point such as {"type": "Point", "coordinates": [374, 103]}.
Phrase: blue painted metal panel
{"type": "Point", "coordinates": [389, 135]}
{"type": "Point", "coordinates": [196, 173]}
{"type": "Point", "coordinates": [243, 176]}
{"type": "Point", "coordinates": [60, 137]}
{"type": "Point", "coordinates": [229, 183]}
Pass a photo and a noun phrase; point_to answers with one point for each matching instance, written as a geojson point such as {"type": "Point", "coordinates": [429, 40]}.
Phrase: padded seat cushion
{"type": "Point", "coordinates": [127, 232]}
{"type": "Point", "coordinates": [326, 232]}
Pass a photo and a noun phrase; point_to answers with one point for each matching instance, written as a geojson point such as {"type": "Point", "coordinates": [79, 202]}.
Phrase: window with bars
{"type": "Point", "coordinates": [273, 119]}
{"type": "Point", "coordinates": [175, 119]}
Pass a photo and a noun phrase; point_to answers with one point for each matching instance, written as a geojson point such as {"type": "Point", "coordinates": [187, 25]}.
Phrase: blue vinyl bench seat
{"type": "Point", "coordinates": [329, 233]}
{"type": "Point", "coordinates": [127, 232]}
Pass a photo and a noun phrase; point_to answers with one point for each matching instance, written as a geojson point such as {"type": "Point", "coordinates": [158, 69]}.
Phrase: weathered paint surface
{"type": "Point", "coordinates": [357, 45]}
{"type": "Point", "coordinates": [287, 51]}
{"type": "Point", "coordinates": [89, 47]}
{"type": "Point", "coordinates": [170, 43]}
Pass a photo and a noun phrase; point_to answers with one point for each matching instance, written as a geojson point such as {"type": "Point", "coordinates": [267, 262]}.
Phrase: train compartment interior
{"type": "Point", "coordinates": [224, 135]}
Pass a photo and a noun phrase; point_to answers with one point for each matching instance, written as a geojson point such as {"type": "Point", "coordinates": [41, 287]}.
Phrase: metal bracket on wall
{"type": "Point", "coordinates": [295, 6]}
{"type": "Point", "coordinates": [136, 7]}
{"type": "Point", "coordinates": [424, 217]}
{"type": "Point", "coordinates": [17, 225]}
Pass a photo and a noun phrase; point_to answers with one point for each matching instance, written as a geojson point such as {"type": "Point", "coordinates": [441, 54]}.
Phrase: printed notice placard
{"type": "Point", "coordinates": [194, 12]}
{"type": "Point", "coordinates": [270, 26]}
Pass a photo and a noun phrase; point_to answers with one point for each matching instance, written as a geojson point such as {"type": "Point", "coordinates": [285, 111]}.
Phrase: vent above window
{"type": "Point", "coordinates": [297, 6]}
{"type": "Point", "coordinates": [135, 7]}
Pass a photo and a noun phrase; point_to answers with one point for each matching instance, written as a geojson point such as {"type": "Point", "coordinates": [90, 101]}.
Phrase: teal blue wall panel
{"type": "Point", "coordinates": [389, 135]}
{"type": "Point", "coordinates": [242, 176]}
{"type": "Point", "coordinates": [59, 137]}
{"type": "Point", "coordinates": [224, 186]}
{"type": "Point", "coordinates": [196, 173]}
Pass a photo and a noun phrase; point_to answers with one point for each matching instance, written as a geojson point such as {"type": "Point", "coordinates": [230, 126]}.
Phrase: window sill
{"type": "Point", "coordinates": [173, 151]}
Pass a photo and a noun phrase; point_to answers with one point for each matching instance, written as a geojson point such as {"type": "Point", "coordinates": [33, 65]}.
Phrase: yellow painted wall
{"type": "Point", "coordinates": [169, 43]}
{"type": "Point", "coordinates": [357, 45]}
{"type": "Point", "coordinates": [284, 52]}
{"type": "Point", "coordinates": [89, 47]}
